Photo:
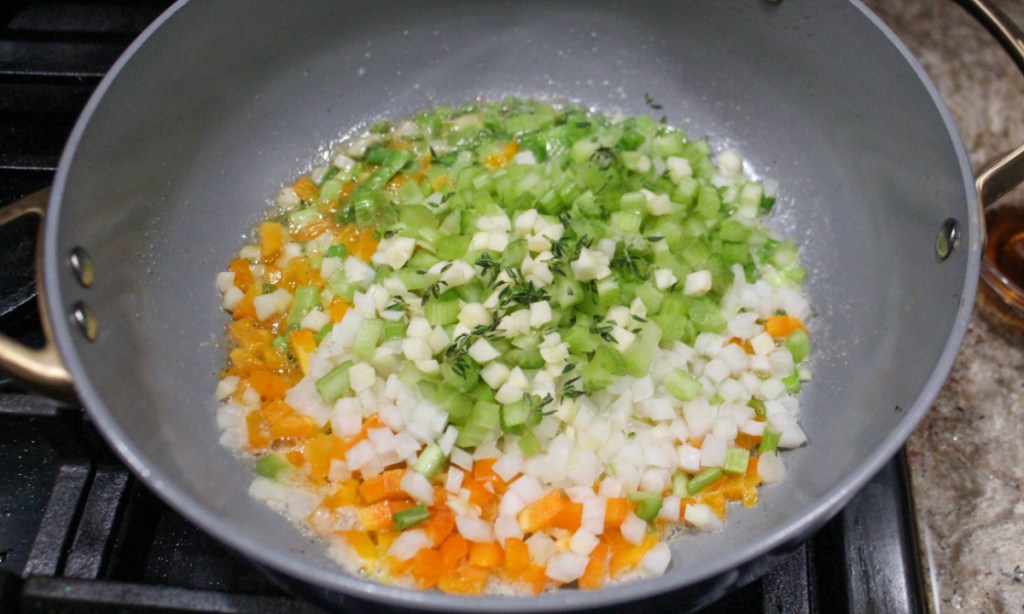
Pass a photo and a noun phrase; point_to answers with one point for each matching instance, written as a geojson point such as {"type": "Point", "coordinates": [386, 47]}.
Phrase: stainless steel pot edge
{"type": "Point", "coordinates": [329, 578]}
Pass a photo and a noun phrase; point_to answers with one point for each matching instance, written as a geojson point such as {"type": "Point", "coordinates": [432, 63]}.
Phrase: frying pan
{"type": "Point", "coordinates": [220, 103]}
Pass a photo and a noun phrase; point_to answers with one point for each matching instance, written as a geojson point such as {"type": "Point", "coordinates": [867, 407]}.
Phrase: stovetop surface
{"type": "Point", "coordinates": [79, 533]}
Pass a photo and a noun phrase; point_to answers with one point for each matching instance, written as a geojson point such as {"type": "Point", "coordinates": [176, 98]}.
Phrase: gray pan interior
{"type": "Point", "coordinates": [212, 111]}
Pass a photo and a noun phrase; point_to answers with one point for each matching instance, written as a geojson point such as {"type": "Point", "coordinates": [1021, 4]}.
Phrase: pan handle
{"type": "Point", "coordinates": [42, 368]}
{"type": "Point", "coordinates": [1006, 172]}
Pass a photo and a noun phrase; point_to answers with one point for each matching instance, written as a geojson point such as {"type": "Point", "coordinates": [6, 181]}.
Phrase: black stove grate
{"type": "Point", "coordinates": [78, 532]}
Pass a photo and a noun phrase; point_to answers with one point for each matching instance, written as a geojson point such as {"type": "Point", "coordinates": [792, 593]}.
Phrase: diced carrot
{"type": "Point", "coordinates": [750, 482]}
{"type": "Point", "coordinates": [440, 524]}
{"type": "Point", "coordinates": [440, 182]}
{"type": "Point", "coordinates": [286, 423]}
{"type": "Point", "coordinates": [273, 236]}
{"type": "Point", "coordinates": [400, 145]}
{"type": "Point", "coordinates": [303, 345]}
{"type": "Point", "coordinates": [463, 580]}
{"type": "Point", "coordinates": [337, 309]}
{"type": "Point", "coordinates": [746, 441]}
{"type": "Point", "coordinates": [312, 231]}
{"type": "Point", "coordinates": [257, 430]}
{"type": "Point", "coordinates": [535, 577]}
{"type": "Point", "coordinates": [295, 457]}
{"type": "Point", "coordinates": [716, 501]}
{"type": "Point", "coordinates": [346, 493]}
{"type": "Point", "coordinates": [361, 543]}
{"type": "Point", "coordinates": [424, 165]}
{"type": "Point", "coordinates": [427, 567]}
{"type": "Point", "coordinates": [320, 450]}
{"type": "Point", "coordinates": [501, 157]}
{"type": "Point", "coordinates": [478, 494]}
{"type": "Point", "coordinates": [624, 555]}
{"type": "Point", "coordinates": [243, 273]}
{"type": "Point", "coordinates": [597, 568]}
{"type": "Point", "coordinates": [781, 326]}
{"type": "Point", "coordinates": [743, 343]}
{"type": "Point", "coordinates": [542, 513]}
{"type": "Point", "coordinates": [268, 385]}
{"type": "Point", "coordinates": [570, 517]}
{"type": "Point", "coordinates": [306, 188]}
{"type": "Point", "coordinates": [483, 472]}
{"type": "Point", "coordinates": [517, 557]}
{"type": "Point", "coordinates": [396, 182]}
{"type": "Point", "coordinates": [244, 309]}
{"type": "Point", "coordinates": [615, 512]}
{"type": "Point", "coordinates": [377, 517]}
{"type": "Point", "coordinates": [300, 272]}
{"type": "Point", "coordinates": [454, 550]}
{"type": "Point", "coordinates": [486, 554]}
{"type": "Point", "coordinates": [383, 486]}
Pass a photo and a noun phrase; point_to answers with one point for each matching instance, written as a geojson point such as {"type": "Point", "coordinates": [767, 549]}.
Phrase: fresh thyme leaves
{"type": "Point", "coordinates": [603, 329]}
{"type": "Point", "coordinates": [649, 100]}
{"type": "Point", "coordinates": [398, 305]}
{"type": "Point", "coordinates": [489, 267]}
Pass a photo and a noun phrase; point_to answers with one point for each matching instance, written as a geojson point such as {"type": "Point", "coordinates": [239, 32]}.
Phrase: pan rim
{"type": "Point", "coordinates": [196, 511]}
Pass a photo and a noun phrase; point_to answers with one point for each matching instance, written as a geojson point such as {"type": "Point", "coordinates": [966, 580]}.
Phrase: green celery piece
{"type": "Point", "coordinates": [335, 383]}
{"type": "Point", "coordinates": [429, 461]}
{"type": "Point", "coordinates": [410, 517]}
{"type": "Point", "coordinates": [703, 479]}
{"type": "Point", "coordinates": [769, 441]}
{"type": "Point", "coordinates": [736, 460]}
{"type": "Point", "coordinates": [682, 385]}
{"type": "Point", "coordinates": [306, 297]}
{"type": "Point", "coordinates": [648, 504]}
{"type": "Point", "coordinates": [273, 466]}
{"type": "Point", "coordinates": [798, 343]}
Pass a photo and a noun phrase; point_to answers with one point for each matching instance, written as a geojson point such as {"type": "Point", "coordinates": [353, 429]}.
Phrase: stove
{"type": "Point", "coordinates": [79, 533]}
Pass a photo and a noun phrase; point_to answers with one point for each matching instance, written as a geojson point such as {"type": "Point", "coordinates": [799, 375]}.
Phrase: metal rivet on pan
{"type": "Point", "coordinates": [948, 239]}
{"type": "Point", "coordinates": [83, 317]}
{"type": "Point", "coordinates": [81, 264]}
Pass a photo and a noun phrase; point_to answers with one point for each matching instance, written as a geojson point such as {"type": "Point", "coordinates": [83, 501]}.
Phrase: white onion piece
{"type": "Point", "coordinates": [417, 486]}
{"type": "Point", "coordinates": [633, 529]}
{"type": "Point", "coordinates": [656, 560]}
{"type": "Point", "coordinates": [408, 544]}
{"type": "Point", "coordinates": [474, 529]}
{"type": "Point", "coordinates": [566, 566]}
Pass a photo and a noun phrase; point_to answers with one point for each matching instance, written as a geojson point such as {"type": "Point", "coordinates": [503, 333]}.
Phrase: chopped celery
{"type": "Point", "coordinates": [529, 445]}
{"type": "Point", "coordinates": [703, 479]}
{"type": "Point", "coordinates": [306, 297]}
{"type": "Point", "coordinates": [682, 385]}
{"type": "Point", "coordinates": [648, 504]}
{"type": "Point", "coordinates": [482, 420]}
{"type": "Point", "coordinates": [798, 343]}
{"type": "Point", "coordinates": [679, 481]}
{"type": "Point", "coordinates": [367, 337]}
{"type": "Point", "coordinates": [514, 417]}
{"type": "Point", "coordinates": [736, 460]}
{"type": "Point", "coordinates": [441, 311]}
{"type": "Point", "coordinates": [273, 466]}
{"type": "Point", "coordinates": [769, 440]}
{"type": "Point", "coordinates": [410, 517]}
{"type": "Point", "coordinates": [335, 383]}
{"type": "Point", "coordinates": [429, 461]}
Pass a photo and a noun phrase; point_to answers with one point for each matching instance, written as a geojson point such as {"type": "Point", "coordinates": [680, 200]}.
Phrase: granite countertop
{"type": "Point", "coordinates": [967, 455]}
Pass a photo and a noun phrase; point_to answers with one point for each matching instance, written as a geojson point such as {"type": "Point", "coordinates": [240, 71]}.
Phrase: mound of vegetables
{"type": "Point", "coordinates": [507, 347]}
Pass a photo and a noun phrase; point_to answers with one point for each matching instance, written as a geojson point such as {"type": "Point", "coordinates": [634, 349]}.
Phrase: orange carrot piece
{"type": "Point", "coordinates": [295, 457]}
{"type": "Point", "coordinates": [487, 555]}
{"type": "Point", "coordinates": [245, 310]}
{"type": "Point", "coordinates": [337, 309]}
{"type": "Point", "coordinates": [306, 188]}
{"type": "Point", "coordinates": [268, 385]}
{"type": "Point", "coordinates": [383, 486]}
{"type": "Point", "coordinates": [747, 442]}
{"type": "Point", "coordinates": [361, 543]}
{"type": "Point", "coordinates": [440, 524]}
{"type": "Point", "coordinates": [483, 472]}
{"type": "Point", "coordinates": [464, 580]}
{"type": "Point", "coordinates": [454, 550]}
{"type": "Point", "coordinates": [542, 513]}
{"type": "Point", "coordinates": [312, 231]}
{"type": "Point", "coordinates": [427, 567]}
{"type": "Point", "coordinates": [569, 518]}
{"type": "Point", "coordinates": [320, 450]}
{"type": "Point", "coordinates": [501, 157]}
{"type": "Point", "coordinates": [535, 576]}
{"type": "Point", "coordinates": [597, 568]}
{"type": "Point", "coordinates": [781, 326]}
{"type": "Point", "coordinates": [478, 495]}
{"type": "Point", "coordinates": [624, 555]}
{"type": "Point", "coordinates": [346, 493]}
{"type": "Point", "coordinates": [716, 501]}
{"type": "Point", "coordinates": [303, 345]}
{"type": "Point", "coordinates": [273, 236]}
{"type": "Point", "coordinates": [615, 512]}
{"type": "Point", "coordinates": [377, 517]}
{"type": "Point", "coordinates": [286, 423]}
{"type": "Point", "coordinates": [243, 273]}
{"type": "Point", "coordinates": [517, 557]}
